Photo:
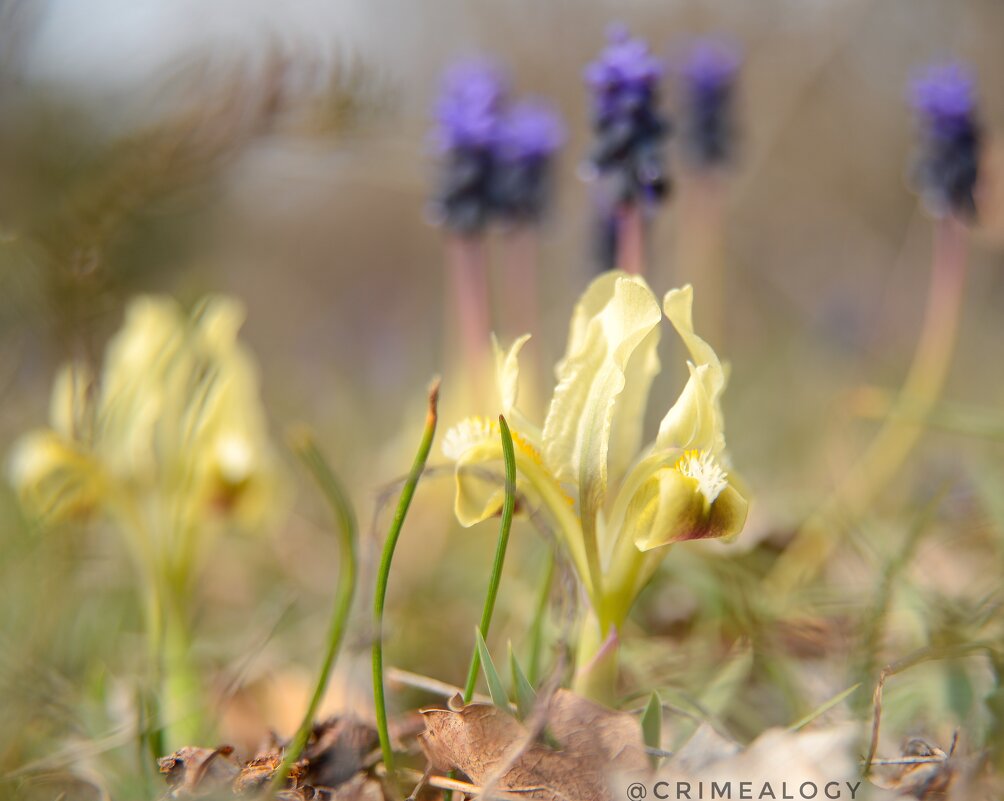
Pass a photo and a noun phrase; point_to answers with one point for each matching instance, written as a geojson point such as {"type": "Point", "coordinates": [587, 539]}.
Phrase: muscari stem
{"type": "Point", "coordinates": [471, 301]}
{"type": "Point", "coordinates": [380, 596]}
{"type": "Point", "coordinates": [521, 285]}
{"type": "Point", "coordinates": [631, 239]}
{"type": "Point", "coordinates": [508, 507]}
{"type": "Point", "coordinates": [891, 446]}
{"type": "Point", "coordinates": [306, 449]}
{"type": "Point", "coordinates": [700, 255]}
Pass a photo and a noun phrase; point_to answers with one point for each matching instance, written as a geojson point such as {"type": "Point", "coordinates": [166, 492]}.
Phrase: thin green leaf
{"type": "Point", "coordinates": [526, 698]}
{"type": "Point", "coordinates": [496, 689]}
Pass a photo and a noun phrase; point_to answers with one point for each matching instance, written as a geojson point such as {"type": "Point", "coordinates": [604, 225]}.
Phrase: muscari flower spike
{"type": "Point", "coordinates": [629, 127]}
{"type": "Point", "coordinates": [944, 98]}
{"type": "Point", "coordinates": [529, 134]}
{"type": "Point", "coordinates": [708, 74]}
{"type": "Point", "coordinates": [468, 117]}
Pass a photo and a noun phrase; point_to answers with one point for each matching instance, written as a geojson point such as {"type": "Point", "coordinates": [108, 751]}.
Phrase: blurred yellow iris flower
{"type": "Point", "coordinates": [170, 442]}
{"type": "Point", "coordinates": [614, 504]}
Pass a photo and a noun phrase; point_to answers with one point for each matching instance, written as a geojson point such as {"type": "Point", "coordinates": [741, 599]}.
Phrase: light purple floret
{"type": "Point", "coordinates": [945, 94]}
{"type": "Point", "coordinates": [469, 107]}
{"type": "Point", "coordinates": [626, 63]}
{"type": "Point", "coordinates": [710, 65]}
{"type": "Point", "coordinates": [529, 130]}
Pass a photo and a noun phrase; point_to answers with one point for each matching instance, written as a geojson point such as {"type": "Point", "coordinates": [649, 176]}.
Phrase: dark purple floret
{"type": "Point", "coordinates": [629, 127]}
{"type": "Point", "coordinates": [529, 134]}
{"type": "Point", "coordinates": [709, 74]}
{"type": "Point", "coordinates": [944, 97]}
{"type": "Point", "coordinates": [468, 115]}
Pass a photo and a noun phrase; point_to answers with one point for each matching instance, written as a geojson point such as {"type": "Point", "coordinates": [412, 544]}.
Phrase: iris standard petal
{"type": "Point", "coordinates": [591, 378]}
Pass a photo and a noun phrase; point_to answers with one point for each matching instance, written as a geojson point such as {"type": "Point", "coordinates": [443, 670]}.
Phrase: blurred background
{"type": "Point", "coordinates": [280, 153]}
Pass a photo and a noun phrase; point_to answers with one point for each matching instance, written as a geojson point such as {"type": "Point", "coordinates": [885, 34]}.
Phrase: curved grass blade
{"type": "Point", "coordinates": [508, 508]}
{"type": "Point", "coordinates": [824, 707]}
{"type": "Point", "coordinates": [306, 449]}
{"type": "Point", "coordinates": [380, 596]}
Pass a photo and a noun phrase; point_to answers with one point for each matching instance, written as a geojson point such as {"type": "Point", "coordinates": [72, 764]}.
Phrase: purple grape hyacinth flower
{"type": "Point", "coordinates": [468, 115]}
{"type": "Point", "coordinates": [944, 98]}
{"type": "Point", "coordinates": [629, 127]}
{"type": "Point", "coordinates": [529, 134]}
{"type": "Point", "coordinates": [496, 155]}
{"type": "Point", "coordinates": [625, 73]}
{"type": "Point", "coordinates": [708, 74]}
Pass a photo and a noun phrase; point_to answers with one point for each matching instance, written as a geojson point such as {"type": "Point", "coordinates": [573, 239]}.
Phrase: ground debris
{"type": "Point", "coordinates": [257, 773]}
{"type": "Point", "coordinates": [924, 771]}
{"type": "Point", "coordinates": [192, 772]}
{"type": "Point", "coordinates": [331, 769]}
{"type": "Point", "coordinates": [337, 751]}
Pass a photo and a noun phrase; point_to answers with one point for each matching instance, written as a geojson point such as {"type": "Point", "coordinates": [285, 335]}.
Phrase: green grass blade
{"type": "Point", "coordinates": [824, 707]}
{"type": "Point", "coordinates": [526, 698]}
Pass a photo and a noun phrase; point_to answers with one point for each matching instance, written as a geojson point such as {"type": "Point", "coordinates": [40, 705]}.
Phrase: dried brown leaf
{"type": "Point", "coordinates": [337, 751]}
{"type": "Point", "coordinates": [491, 747]}
{"type": "Point", "coordinates": [193, 772]}
{"type": "Point", "coordinates": [593, 731]}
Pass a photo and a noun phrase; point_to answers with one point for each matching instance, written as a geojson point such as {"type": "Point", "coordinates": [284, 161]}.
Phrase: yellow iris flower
{"type": "Point", "coordinates": [614, 504]}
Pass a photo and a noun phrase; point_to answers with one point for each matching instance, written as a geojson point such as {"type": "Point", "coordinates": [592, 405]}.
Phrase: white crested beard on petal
{"type": "Point", "coordinates": [701, 467]}
{"type": "Point", "coordinates": [465, 435]}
